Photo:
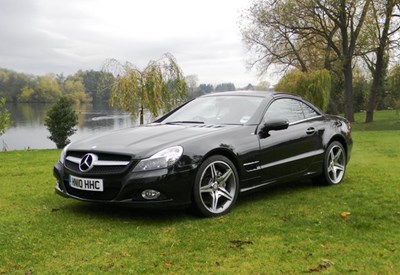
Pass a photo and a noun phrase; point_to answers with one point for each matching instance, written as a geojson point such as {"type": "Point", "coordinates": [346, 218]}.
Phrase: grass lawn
{"type": "Point", "coordinates": [294, 228]}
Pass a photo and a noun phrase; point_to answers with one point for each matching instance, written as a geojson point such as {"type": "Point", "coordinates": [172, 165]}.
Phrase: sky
{"type": "Point", "coordinates": [63, 36]}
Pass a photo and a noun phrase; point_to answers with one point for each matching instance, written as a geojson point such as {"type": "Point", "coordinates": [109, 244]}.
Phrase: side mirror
{"type": "Point", "coordinates": [273, 125]}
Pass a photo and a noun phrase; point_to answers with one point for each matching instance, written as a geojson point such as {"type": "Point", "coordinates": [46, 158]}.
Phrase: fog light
{"type": "Point", "coordinates": [150, 194]}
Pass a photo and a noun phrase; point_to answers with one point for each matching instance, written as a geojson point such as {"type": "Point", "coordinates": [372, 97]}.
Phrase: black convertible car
{"type": "Point", "coordinates": [207, 151]}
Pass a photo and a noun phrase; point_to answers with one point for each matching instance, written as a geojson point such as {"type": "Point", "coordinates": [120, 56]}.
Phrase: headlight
{"type": "Point", "coordinates": [63, 154]}
{"type": "Point", "coordinates": [162, 159]}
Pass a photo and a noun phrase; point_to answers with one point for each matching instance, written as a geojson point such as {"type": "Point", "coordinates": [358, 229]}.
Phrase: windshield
{"type": "Point", "coordinates": [217, 110]}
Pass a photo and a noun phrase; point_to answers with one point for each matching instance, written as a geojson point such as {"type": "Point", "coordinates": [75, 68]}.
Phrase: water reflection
{"type": "Point", "coordinates": [28, 130]}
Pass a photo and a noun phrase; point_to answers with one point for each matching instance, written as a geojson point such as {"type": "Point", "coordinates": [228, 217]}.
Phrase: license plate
{"type": "Point", "coordinates": [86, 184]}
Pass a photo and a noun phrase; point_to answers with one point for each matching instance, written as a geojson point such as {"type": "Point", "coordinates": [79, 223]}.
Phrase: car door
{"type": "Point", "coordinates": [287, 152]}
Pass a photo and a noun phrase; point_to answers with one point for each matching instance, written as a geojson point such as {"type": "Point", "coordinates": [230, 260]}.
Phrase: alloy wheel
{"type": "Point", "coordinates": [336, 164]}
{"type": "Point", "coordinates": [218, 187]}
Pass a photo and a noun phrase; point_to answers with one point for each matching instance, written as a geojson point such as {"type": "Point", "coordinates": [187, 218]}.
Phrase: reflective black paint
{"type": "Point", "coordinates": [279, 156]}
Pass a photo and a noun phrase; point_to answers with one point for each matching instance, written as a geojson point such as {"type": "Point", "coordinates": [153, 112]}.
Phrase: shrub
{"type": "Point", "coordinates": [60, 121]}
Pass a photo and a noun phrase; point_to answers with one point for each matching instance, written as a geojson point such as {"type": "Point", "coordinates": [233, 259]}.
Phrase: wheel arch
{"type": "Point", "coordinates": [226, 153]}
{"type": "Point", "coordinates": [341, 140]}
{"type": "Point", "coordinates": [202, 207]}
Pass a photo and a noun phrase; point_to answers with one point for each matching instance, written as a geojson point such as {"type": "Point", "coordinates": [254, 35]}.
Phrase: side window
{"type": "Point", "coordinates": [308, 111]}
{"type": "Point", "coordinates": [285, 108]}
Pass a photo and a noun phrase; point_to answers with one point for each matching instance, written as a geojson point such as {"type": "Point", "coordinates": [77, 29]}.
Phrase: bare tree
{"type": "Point", "coordinates": [268, 31]}
{"type": "Point", "coordinates": [385, 15]}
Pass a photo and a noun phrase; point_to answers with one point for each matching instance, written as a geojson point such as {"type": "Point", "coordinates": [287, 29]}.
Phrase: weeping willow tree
{"type": "Point", "coordinates": [159, 87]}
{"type": "Point", "coordinates": [315, 86]}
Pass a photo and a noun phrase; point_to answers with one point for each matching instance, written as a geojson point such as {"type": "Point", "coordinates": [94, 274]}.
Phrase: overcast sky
{"type": "Point", "coordinates": [63, 36]}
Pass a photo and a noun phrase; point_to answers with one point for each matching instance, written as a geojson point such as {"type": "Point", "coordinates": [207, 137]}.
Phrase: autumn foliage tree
{"type": "Point", "coordinates": [159, 87]}
{"type": "Point", "coordinates": [74, 89]}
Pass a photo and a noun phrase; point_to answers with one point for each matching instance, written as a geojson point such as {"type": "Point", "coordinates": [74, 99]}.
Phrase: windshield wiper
{"type": "Point", "coordinates": [185, 121]}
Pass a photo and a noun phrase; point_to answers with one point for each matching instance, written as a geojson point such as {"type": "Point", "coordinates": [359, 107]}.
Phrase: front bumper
{"type": "Point", "coordinates": [175, 187]}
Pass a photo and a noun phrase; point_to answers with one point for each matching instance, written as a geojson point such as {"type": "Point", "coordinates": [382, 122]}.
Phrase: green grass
{"type": "Point", "coordinates": [294, 228]}
{"type": "Point", "coordinates": [383, 120]}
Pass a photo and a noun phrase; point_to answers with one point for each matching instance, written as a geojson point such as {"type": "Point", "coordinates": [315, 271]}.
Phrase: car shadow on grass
{"type": "Point", "coordinates": [273, 191]}
{"type": "Point", "coordinates": [124, 213]}
{"type": "Point", "coordinates": [118, 212]}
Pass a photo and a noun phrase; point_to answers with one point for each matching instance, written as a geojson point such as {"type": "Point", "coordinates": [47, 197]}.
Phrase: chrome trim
{"type": "Point", "coordinates": [73, 159]}
{"type": "Point", "coordinates": [298, 157]}
{"type": "Point", "coordinates": [111, 163]}
{"type": "Point", "coordinates": [99, 162]}
{"type": "Point", "coordinates": [256, 186]}
{"type": "Point", "coordinates": [251, 163]}
{"type": "Point", "coordinates": [303, 120]}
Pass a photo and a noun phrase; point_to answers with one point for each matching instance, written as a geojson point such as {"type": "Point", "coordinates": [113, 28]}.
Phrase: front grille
{"type": "Point", "coordinates": [73, 158]}
{"type": "Point", "coordinates": [102, 156]}
{"type": "Point", "coordinates": [97, 170]}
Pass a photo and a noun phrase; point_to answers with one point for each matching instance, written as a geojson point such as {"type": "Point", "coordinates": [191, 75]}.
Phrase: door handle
{"type": "Point", "coordinates": [310, 131]}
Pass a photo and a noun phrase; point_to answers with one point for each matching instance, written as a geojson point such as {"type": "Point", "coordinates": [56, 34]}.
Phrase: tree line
{"type": "Point", "coordinates": [83, 86]}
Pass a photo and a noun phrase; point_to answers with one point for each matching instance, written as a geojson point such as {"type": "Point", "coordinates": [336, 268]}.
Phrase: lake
{"type": "Point", "coordinates": [28, 131]}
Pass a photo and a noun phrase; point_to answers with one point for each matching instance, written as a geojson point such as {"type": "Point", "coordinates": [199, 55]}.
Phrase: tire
{"type": "Point", "coordinates": [216, 187]}
{"type": "Point", "coordinates": [334, 166]}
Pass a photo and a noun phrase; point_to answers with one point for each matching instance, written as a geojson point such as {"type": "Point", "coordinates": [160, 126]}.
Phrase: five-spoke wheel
{"type": "Point", "coordinates": [216, 186]}
{"type": "Point", "coordinates": [334, 164]}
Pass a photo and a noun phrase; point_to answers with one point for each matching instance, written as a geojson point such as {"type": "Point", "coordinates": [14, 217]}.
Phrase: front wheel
{"type": "Point", "coordinates": [216, 186]}
{"type": "Point", "coordinates": [334, 166]}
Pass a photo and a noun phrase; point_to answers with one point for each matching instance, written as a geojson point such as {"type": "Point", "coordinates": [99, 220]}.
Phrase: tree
{"type": "Point", "coordinates": [377, 57]}
{"type": "Point", "coordinates": [315, 86]}
{"type": "Point", "coordinates": [47, 90]}
{"type": "Point", "coordinates": [306, 29]}
{"type": "Point", "coordinates": [249, 87]}
{"type": "Point", "coordinates": [74, 89]}
{"type": "Point", "coordinates": [206, 88]}
{"type": "Point", "coordinates": [11, 84]}
{"type": "Point", "coordinates": [5, 119]}
{"type": "Point", "coordinates": [104, 87]}
{"type": "Point", "coordinates": [263, 86]}
{"type": "Point", "coordinates": [348, 17]}
{"type": "Point", "coordinates": [98, 84]}
{"type": "Point", "coordinates": [269, 33]}
{"type": "Point", "coordinates": [361, 86]}
{"type": "Point", "coordinates": [26, 94]}
{"type": "Point", "coordinates": [191, 83]}
{"type": "Point", "coordinates": [224, 87]}
{"type": "Point", "coordinates": [159, 87]}
{"type": "Point", "coordinates": [393, 85]}
{"type": "Point", "coordinates": [61, 121]}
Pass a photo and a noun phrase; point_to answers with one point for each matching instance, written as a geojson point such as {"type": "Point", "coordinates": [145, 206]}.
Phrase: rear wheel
{"type": "Point", "coordinates": [216, 186]}
{"type": "Point", "coordinates": [334, 166]}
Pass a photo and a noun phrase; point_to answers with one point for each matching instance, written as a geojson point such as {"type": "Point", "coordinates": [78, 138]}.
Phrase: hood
{"type": "Point", "coordinates": [144, 141]}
